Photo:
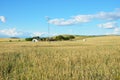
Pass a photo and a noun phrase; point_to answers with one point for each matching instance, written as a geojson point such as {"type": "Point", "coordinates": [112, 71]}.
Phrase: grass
{"type": "Point", "coordinates": [96, 59]}
{"type": "Point", "coordinates": [10, 40]}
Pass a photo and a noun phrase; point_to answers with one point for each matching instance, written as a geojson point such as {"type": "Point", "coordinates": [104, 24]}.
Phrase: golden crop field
{"type": "Point", "coordinates": [96, 59]}
{"type": "Point", "coordinates": [10, 40]}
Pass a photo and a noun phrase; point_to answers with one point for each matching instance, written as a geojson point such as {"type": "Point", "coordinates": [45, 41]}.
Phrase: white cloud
{"type": "Point", "coordinates": [82, 18]}
{"type": "Point", "coordinates": [116, 30]}
{"type": "Point", "coordinates": [37, 34]}
{"type": "Point", "coordinates": [109, 25]}
{"type": "Point", "coordinates": [108, 15]}
{"type": "Point", "coordinates": [2, 18]}
{"type": "Point", "coordinates": [73, 20]}
{"type": "Point", "coordinates": [115, 15]}
{"type": "Point", "coordinates": [62, 22]}
{"type": "Point", "coordinates": [10, 32]}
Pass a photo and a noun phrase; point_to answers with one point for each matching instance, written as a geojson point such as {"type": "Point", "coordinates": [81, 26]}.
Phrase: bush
{"type": "Point", "coordinates": [36, 37]}
{"type": "Point", "coordinates": [28, 39]}
{"type": "Point", "coordinates": [62, 37]}
{"type": "Point", "coordinates": [59, 38]}
{"type": "Point", "coordinates": [71, 37]}
{"type": "Point", "coordinates": [10, 40]}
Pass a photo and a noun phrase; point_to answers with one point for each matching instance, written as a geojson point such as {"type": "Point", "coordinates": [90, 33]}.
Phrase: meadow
{"type": "Point", "coordinates": [96, 59]}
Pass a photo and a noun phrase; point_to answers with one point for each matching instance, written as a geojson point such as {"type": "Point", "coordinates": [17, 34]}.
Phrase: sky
{"type": "Point", "coordinates": [28, 18]}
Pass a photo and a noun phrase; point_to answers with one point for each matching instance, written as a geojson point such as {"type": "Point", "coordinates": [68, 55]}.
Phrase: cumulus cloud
{"type": "Point", "coordinates": [10, 32]}
{"type": "Point", "coordinates": [114, 15]}
{"type": "Point", "coordinates": [2, 19]}
{"type": "Point", "coordinates": [115, 32]}
{"type": "Point", "coordinates": [37, 34]}
{"type": "Point", "coordinates": [109, 25]}
{"type": "Point", "coordinates": [13, 32]}
{"type": "Point", "coordinates": [82, 18]}
{"type": "Point", "coordinates": [61, 22]}
{"type": "Point", "coordinates": [73, 20]}
{"type": "Point", "coordinates": [117, 29]}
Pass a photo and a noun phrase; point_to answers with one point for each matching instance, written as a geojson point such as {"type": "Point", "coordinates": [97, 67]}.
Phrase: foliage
{"type": "Point", "coordinates": [56, 38]}
{"type": "Point", "coordinates": [28, 39]}
{"type": "Point", "coordinates": [60, 37]}
{"type": "Point", "coordinates": [64, 37]}
{"type": "Point", "coordinates": [36, 37]}
{"type": "Point", "coordinates": [71, 36]}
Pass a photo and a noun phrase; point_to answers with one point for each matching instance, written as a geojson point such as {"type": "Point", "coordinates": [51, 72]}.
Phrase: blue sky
{"type": "Point", "coordinates": [26, 18]}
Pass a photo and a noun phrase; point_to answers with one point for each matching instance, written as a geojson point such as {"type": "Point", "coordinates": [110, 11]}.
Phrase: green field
{"type": "Point", "coordinates": [96, 59]}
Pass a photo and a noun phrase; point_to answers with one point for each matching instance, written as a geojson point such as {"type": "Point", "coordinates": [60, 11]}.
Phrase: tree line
{"type": "Point", "coordinates": [55, 38]}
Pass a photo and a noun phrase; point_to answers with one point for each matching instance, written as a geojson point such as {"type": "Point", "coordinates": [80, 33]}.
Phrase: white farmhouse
{"type": "Point", "coordinates": [34, 40]}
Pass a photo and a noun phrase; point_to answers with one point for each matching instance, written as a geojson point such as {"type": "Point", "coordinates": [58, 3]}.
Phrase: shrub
{"type": "Point", "coordinates": [28, 39]}
{"type": "Point", "coordinates": [60, 37]}
{"type": "Point", "coordinates": [71, 37]}
{"type": "Point", "coordinates": [36, 37]}
{"type": "Point", "coordinates": [10, 40]}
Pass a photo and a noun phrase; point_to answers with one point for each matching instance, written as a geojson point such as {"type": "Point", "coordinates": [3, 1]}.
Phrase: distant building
{"type": "Point", "coordinates": [34, 40]}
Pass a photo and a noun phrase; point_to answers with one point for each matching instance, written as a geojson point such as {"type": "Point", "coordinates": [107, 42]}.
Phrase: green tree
{"type": "Point", "coordinates": [28, 39]}
{"type": "Point", "coordinates": [60, 37]}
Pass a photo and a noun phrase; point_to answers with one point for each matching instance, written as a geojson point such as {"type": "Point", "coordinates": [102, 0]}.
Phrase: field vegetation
{"type": "Point", "coordinates": [98, 58]}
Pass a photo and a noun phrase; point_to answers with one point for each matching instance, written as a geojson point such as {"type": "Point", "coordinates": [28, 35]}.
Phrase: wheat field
{"type": "Point", "coordinates": [96, 59]}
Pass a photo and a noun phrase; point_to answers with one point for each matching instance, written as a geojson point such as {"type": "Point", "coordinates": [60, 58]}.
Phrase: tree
{"type": "Point", "coordinates": [60, 37]}
{"type": "Point", "coordinates": [64, 37]}
{"type": "Point", "coordinates": [28, 39]}
{"type": "Point", "coordinates": [71, 37]}
{"type": "Point", "coordinates": [36, 37]}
